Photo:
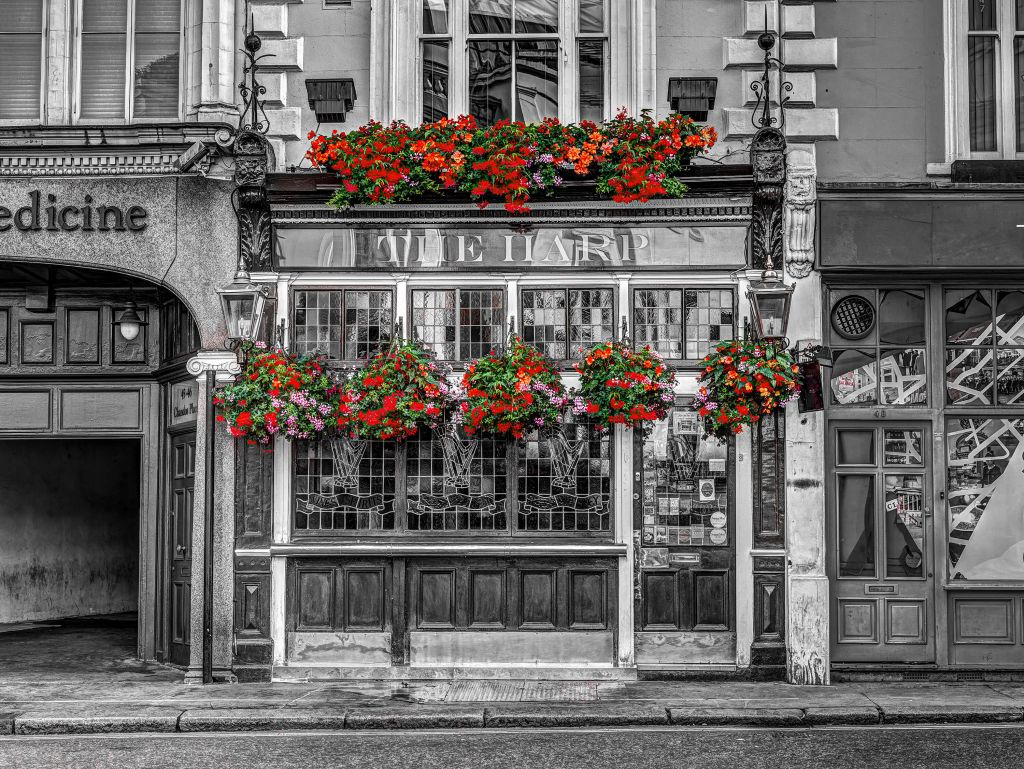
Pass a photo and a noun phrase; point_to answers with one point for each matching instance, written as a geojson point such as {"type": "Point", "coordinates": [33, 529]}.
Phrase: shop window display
{"type": "Point", "coordinates": [984, 346]}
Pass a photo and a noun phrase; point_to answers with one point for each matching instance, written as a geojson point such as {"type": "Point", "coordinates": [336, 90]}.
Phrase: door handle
{"type": "Point", "coordinates": [179, 549]}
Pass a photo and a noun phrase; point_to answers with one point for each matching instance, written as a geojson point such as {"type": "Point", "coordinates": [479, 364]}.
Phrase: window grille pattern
{"type": "Point", "coordinates": [984, 346]}
{"type": "Point", "coordinates": [459, 324]}
{"type": "Point", "coordinates": [455, 483]}
{"type": "Point", "coordinates": [350, 324]}
{"type": "Point", "coordinates": [565, 480]}
{"type": "Point", "coordinates": [550, 315]}
{"type": "Point", "coordinates": [344, 485]}
{"type": "Point", "coordinates": [683, 323]}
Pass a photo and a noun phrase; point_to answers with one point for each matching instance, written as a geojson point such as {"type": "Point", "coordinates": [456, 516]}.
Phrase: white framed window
{"type": "Point", "coordinates": [984, 85]}
{"type": "Point", "coordinates": [128, 60]}
{"type": "Point", "coordinates": [22, 58]}
{"type": "Point", "coordinates": [514, 59]}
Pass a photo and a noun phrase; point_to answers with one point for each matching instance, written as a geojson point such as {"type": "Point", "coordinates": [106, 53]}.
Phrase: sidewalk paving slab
{"type": "Point", "coordinates": [260, 720]}
{"type": "Point", "coordinates": [736, 716]}
{"type": "Point", "coordinates": [513, 715]}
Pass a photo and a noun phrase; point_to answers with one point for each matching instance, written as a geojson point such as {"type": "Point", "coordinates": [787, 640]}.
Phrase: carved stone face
{"type": "Point", "coordinates": [800, 188]}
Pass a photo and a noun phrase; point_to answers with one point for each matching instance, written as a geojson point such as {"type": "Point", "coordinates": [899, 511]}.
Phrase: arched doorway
{"type": "Point", "coordinates": [97, 454]}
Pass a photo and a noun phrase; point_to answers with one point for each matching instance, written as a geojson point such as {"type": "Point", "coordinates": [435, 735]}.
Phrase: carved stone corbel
{"type": "Point", "coordinates": [801, 183]}
{"type": "Point", "coordinates": [768, 160]}
{"type": "Point", "coordinates": [251, 162]}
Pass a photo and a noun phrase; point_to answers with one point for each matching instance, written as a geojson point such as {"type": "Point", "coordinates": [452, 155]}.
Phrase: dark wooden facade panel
{"type": "Point", "coordinates": [487, 598]}
{"type": "Point", "coordinates": [364, 598]}
{"type": "Point", "coordinates": [537, 599]}
{"type": "Point", "coordinates": [768, 448]}
{"type": "Point", "coordinates": [435, 599]}
{"type": "Point", "coordinates": [661, 604]}
{"type": "Point", "coordinates": [687, 599]}
{"type": "Point", "coordinates": [315, 593]}
{"type": "Point", "coordinates": [254, 495]}
{"type": "Point", "coordinates": [711, 600]}
{"type": "Point", "coordinates": [350, 595]}
{"type": "Point", "coordinates": [588, 600]}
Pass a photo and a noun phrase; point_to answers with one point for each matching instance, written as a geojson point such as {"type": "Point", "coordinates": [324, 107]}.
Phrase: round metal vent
{"type": "Point", "coordinates": [853, 317]}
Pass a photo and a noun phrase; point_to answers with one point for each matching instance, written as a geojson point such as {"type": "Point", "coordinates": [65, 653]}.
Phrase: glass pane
{"type": "Point", "coordinates": [856, 524]}
{"type": "Point", "coordinates": [433, 321]}
{"type": "Point", "coordinates": [1020, 15]}
{"type": "Point", "coordinates": [853, 377]}
{"type": "Point", "coordinates": [21, 67]}
{"type": "Point", "coordinates": [316, 323]}
{"type": "Point", "coordinates": [490, 81]}
{"type": "Point", "coordinates": [904, 526]}
{"type": "Point", "coordinates": [981, 15]}
{"type": "Point", "coordinates": [969, 376]}
{"type": "Point", "coordinates": [709, 320]}
{"type": "Point", "coordinates": [157, 16]}
{"type": "Point", "coordinates": [658, 321]}
{"type": "Point", "coordinates": [902, 447]}
{"type": "Point", "coordinates": [591, 16]}
{"type": "Point", "coordinates": [341, 484]}
{"type": "Point", "coordinates": [536, 80]}
{"type": "Point", "coordinates": [481, 322]}
{"type": "Point", "coordinates": [368, 322]}
{"type": "Point", "coordinates": [1010, 317]}
{"type": "Point", "coordinates": [103, 76]}
{"type": "Point", "coordinates": [985, 486]}
{"type": "Point", "coordinates": [435, 81]}
{"type": "Point", "coordinates": [1010, 377]}
{"type": "Point", "coordinates": [435, 17]}
{"type": "Point", "coordinates": [1018, 89]}
{"type": "Point", "coordinates": [156, 75]}
{"type": "Point", "coordinates": [901, 317]}
{"type": "Point", "coordinates": [105, 16]}
{"type": "Point", "coordinates": [590, 319]}
{"type": "Point", "coordinates": [23, 16]}
{"type": "Point", "coordinates": [855, 447]}
{"type": "Point", "coordinates": [969, 317]}
{"type": "Point", "coordinates": [544, 321]}
{"type": "Point", "coordinates": [591, 80]}
{"type": "Point", "coordinates": [487, 17]}
{"type": "Point", "coordinates": [902, 374]}
{"type": "Point", "coordinates": [536, 17]}
{"type": "Point", "coordinates": [981, 86]}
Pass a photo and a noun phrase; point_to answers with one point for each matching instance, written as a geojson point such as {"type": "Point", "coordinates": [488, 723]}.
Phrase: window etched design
{"type": "Point", "coordinates": [21, 60]}
{"type": "Point", "coordinates": [550, 317]}
{"type": "Point", "coordinates": [984, 346]}
{"type": "Point", "coordinates": [685, 484]}
{"type": "Point", "coordinates": [984, 486]}
{"type": "Point", "coordinates": [459, 324]}
{"type": "Point", "coordinates": [351, 324]}
{"type": "Point", "coordinates": [456, 483]}
{"type": "Point", "coordinates": [879, 351]}
{"type": "Point", "coordinates": [682, 323]}
{"type": "Point", "coordinates": [565, 480]}
{"type": "Point", "coordinates": [344, 485]}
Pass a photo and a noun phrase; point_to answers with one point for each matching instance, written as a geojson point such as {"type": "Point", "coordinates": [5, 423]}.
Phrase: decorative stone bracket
{"type": "Point", "coordinates": [251, 162]}
{"type": "Point", "coordinates": [768, 160]}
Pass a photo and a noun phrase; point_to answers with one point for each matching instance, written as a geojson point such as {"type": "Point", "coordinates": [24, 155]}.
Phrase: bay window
{"type": "Point", "coordinates": [22, 43]}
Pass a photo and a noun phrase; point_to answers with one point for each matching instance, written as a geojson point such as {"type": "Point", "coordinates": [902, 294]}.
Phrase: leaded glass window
{"type": "Point", "coordinates": [459, 324]}
{"type": "Point", "coordinates": [984, 346]}
{"type": "Point", "coordinates": [563, 323]}
{"type": "Point", "coordinates": [344, 485]}
{"type": "Point", "coordinates": [683, 323]}
{"type": "Point", "coordinates": [879, 350]}
{"type": "Point", "coordinates": [351, 324]}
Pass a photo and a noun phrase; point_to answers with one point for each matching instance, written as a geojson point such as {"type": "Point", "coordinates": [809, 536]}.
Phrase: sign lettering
{"type": "Point", "coordinates": [39, 214]}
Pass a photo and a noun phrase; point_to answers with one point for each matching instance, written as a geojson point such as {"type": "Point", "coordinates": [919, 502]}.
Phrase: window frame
{"type": "Point", "coordinates": [44, 33]}
{"type": "Point", "coordinates": [129, 85]}
{"type": "Point", "coordinates": [410, 324]}
{"type": "Point", "coordinates": [957, 101]}
{"type": "Point", "coordinates": [569, 360]}
{"type": "Point", "coordinates": [682, 287]}
{"type": "Point", "coordinates": [343, 361]}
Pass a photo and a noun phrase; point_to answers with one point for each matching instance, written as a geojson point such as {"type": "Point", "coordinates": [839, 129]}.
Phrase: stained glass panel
{"type": "Point", "coordinates": [544, 321]}
{"type": "Point", "coordinates": [658, 320]}
{"type": "Point", "coordinates": [344, 485]}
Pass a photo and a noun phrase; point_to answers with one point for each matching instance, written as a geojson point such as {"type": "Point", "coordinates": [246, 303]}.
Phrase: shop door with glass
{"type": "Point", "coordinates": [183, 468]}
{"type": "Point", "coordinates": [880, 530]}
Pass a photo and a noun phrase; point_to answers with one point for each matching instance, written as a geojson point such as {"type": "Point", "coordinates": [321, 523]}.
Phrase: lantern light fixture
{"type": "Point", "coordinates": [243, 303]}
{"type": "Point", "coordinates": [770, 300]}
{"type": "Point", "coordinates": [129, 323]}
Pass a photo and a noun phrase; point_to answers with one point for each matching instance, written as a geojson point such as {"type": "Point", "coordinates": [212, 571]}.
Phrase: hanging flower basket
{"type": "Point", "coordinates": [743, 382]}
{"type": "Point", "coordinates": [512, 393]}
{"type": "Point", "coordinates": [278, 393]}
{"type": "Point", "coordinates": [632, 159]}
{"type": "Point", "coordinates": [619, 385]}
{"type": "Point", "coordinates": [398, 392]}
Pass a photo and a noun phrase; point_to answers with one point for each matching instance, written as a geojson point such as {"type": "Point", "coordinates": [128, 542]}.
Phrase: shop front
{"type": "Point", "coordinates": [924, 311]}
{"type": "Point", "coordinates": [567, 553]}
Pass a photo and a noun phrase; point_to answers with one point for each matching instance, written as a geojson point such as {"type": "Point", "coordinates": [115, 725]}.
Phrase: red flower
{"type": "Point", "coordinates": [244, 419]}
{"type": "Point", "coordinates": [416, 406]}
{"type": "Point", "coordinates": [593, 408]}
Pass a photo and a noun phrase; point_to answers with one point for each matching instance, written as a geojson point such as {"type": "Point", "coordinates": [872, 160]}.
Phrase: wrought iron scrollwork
{"type": "Point", "coordinates": [762, 116]}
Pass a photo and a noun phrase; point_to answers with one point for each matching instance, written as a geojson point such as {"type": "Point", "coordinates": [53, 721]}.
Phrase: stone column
{"type": "Point", "coordinates": [225, 366]}
{"type": "Point", "coordinates": [807, 588]}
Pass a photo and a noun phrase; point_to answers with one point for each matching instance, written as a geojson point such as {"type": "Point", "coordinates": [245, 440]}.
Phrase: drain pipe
{"type": "Point", "coordinates": [211, 427]}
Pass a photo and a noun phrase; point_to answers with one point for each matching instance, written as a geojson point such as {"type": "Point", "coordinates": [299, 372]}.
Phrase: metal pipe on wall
{"type": "Point", "coordinates": [211, 424]}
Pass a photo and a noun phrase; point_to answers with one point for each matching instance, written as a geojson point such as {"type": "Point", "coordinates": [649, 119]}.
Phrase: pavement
{"type": "Point", "coordinates": [74, 678]}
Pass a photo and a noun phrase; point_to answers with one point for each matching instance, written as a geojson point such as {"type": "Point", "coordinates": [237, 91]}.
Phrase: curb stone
{"type": "Point", "coordinates": [843, 715]}
{"type": "Point", "coordinates": [736, 716]}
{"type": "Point", "coordinates": [411, 718]}
{"type": "Point", "coordinates": [98, 724]}
{"type": "Point", "coordinates": [951, 714]}
{"type": "Point", "coordinates": [255, 720]}
{"type": "Point", "coordinates": [579, 716]}
{"type": "Point", "coordinates": [6, 723]}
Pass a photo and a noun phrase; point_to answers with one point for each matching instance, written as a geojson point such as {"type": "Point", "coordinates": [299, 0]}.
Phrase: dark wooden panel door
{"type": "Point", "coordinates": [182, 475]}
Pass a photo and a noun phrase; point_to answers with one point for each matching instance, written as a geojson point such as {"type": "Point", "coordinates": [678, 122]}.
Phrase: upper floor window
{"type": "Point", "coordinates": [21, 60]}
{"type": "Point", "coordinates": [514, 59]}
{"type": "Point", "coordinates": [128, 60]}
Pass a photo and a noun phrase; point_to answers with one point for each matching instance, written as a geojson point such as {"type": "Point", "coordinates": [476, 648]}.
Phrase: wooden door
{"type": "Point", "coordinates": [880, 535]}
{"type": "Point", "coordinates": [182, 475]}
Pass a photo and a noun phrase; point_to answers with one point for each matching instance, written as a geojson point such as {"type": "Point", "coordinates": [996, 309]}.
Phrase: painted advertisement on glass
{"type": "Point", "coordinates": [565, 480]}
{"type": "Point", "coordinates": [985, 486]}
{"type": "Point", "coordinates": [685, 484]}
{"type": "Point", "coordinates": [344, 485]}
